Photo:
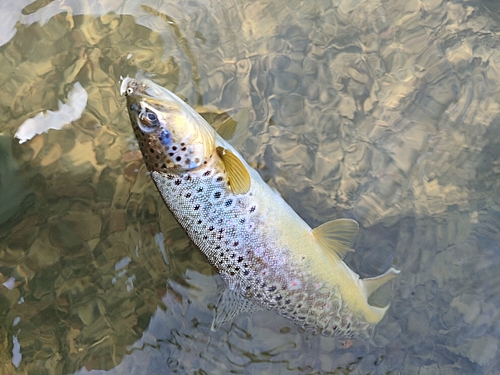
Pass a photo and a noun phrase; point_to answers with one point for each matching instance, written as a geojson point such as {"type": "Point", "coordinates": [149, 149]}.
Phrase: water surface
{"type": "Point", "coordinates": [383, 111]}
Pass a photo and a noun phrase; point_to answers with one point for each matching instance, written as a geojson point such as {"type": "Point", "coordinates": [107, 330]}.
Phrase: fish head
{"type": "Point", "coordinates": [172, 136]}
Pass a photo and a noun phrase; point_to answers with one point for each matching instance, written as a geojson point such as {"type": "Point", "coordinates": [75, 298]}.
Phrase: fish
{"type": "Point", "coordinates": [268, 257]}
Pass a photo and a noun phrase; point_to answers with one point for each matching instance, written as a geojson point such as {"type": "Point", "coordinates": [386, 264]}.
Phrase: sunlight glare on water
{"type": "Point", "coordinates": [385, 112]}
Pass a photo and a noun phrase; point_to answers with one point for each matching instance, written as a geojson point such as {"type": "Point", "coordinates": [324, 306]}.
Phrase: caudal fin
{"type": "Point", "coordinates": [372, 284]}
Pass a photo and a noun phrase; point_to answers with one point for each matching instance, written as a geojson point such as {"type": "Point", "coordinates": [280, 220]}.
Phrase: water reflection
{"type": "Point", "coordinates": [385, 112]}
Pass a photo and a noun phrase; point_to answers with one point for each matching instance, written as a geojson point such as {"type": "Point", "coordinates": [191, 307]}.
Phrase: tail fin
{"type": "Point", "coordinates": [372, 284]}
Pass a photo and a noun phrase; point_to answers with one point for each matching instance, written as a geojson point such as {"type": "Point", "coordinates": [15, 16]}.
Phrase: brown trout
{"type": "Point", "coordinates": [267, 255]}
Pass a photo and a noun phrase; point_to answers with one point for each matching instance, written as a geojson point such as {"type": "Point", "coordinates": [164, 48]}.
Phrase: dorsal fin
{"type": "Point", "coordinates": [337, 236]}
{"type": "Point", "coordinates": [238, 175]}
{"type": "Point", "coordinates": [235, 129]}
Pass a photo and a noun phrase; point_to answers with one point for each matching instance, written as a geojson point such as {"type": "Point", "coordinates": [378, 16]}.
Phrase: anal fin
{"type": "Point", "coordinates": [230, 305]}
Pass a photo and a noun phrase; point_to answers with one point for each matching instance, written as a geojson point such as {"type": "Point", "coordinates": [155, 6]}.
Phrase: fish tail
{"type": "Point", "coordinates": [376, 314]}
{"type": "Point", "coordinates": [369, 285]}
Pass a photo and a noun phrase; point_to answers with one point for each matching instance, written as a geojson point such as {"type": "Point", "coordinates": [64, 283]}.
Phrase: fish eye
{"type": "Point", "coordinates": [129, 91]}
{"type": "Point", "coordinates": [149, 121]}
{"type": "Point", "coordinates": [152, 117]}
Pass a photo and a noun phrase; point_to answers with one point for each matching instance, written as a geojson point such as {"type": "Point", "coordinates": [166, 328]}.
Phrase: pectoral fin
{"type": "Point", "coordinates": [337, 236]}
{"type": "Point", "coordinates": [230, 305]}
{"type": "Point", "coordinates": [238, 175]}
{"type": "Point", "coordinates": [235, 129]}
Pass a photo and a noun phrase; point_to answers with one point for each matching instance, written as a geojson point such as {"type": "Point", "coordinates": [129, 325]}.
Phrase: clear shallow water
{"type": "Point", "coordinates": [386, 112]}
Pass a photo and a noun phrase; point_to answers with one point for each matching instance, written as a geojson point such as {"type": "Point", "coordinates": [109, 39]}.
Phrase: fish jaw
{"type": "Point", "coordinates": [172, 137]}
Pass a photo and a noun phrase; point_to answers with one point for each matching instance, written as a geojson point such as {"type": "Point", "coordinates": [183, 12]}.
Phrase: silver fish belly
{"type": "Point", "coordinates": [266, 254]}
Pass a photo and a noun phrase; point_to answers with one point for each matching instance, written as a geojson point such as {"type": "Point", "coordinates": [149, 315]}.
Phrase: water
{"type": "Point", "coordinates": [387, 112]}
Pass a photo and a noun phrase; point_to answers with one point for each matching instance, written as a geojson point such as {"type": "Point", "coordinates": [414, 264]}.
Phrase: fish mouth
{"type": "Point", "coordinates": [140, 90]}
{"type": "Point", "coordinates": [133, 87]}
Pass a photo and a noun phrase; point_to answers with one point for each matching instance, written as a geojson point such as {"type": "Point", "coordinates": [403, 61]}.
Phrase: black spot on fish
{"type": "Point", "coordinates": [211, 228]}
{"type": "Point", "coordinates": [242, 221]}
{"type": "Point", "coordinates": [200, 190]}
{"type": "Point", "coordinates": [174, 148]}
{"type": "Point", "coordinates": [235, 243]}
{"type": "Point", "coordinates": [178, 158]}
{"type": "Point", "coordinates": [164, 166]}
{"type": "Point", "coordinates": [170, 177]}
{"type": "Point", "coordinates": [219, 179]}
{"type": "Point", "coordinates": [278, 298]}
{"type": "Point", "coordinates": [197, 160]}
{"type": "Point", "coordinates": [231, 273]}
{"type": "Point", "coordinates": [170, 154]}
{"type": "Point", "coordinates": [272, 288]}
{"type": "Point", "coordinates": [183, 144]}
{"type": "Point", "coordinates": [178, 182]}
{"type": "Point", "coordinates": [233, 255]}
{"type": "Point", "coordinates": [187, 161]}
{"type": "Point", "coordinates": [217, 194]}
{"type": "Point", "coordinates": [188, 195]}
{"type": "Point", "coordinates": [252, 209]}
{"type": "Point", "coordinates": [236, 268]}
{"type": "Point", "coordinates": [240, 259]}
{"type": "Point", "coordinates": [229, 202]}
{"type": "Point", "coordinates": [197, 207]}
{"type": "Point", "coordinates": [246, 272]}
{"type": "Point", "coordinates": [199, 221]}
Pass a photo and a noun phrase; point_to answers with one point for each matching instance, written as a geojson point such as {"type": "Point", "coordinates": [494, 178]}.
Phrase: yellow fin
{"type": "Point", "coordinates": [238, 176]}
{"type": "Point", "coordinates": [235, 129]}
{"type": "Point", "coordinates": [337, 236]}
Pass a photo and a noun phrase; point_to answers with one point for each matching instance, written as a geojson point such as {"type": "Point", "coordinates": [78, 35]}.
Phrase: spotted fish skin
{"type": "Point", "coordinates": [261, 248]}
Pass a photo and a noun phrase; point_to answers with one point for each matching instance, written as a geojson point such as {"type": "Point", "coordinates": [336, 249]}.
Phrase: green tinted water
{"type": "Point", "coordinates": [386, 112]}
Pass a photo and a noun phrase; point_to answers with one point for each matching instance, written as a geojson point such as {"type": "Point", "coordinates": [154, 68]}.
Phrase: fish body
{"type": "Point", "coordinates": [267, 255]}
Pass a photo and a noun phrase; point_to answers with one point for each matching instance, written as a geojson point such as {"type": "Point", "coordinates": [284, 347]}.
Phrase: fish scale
{"type": "Point", "coordinates": [266, 254]}
{"type": "Point", "coordinates": [228, 235]}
